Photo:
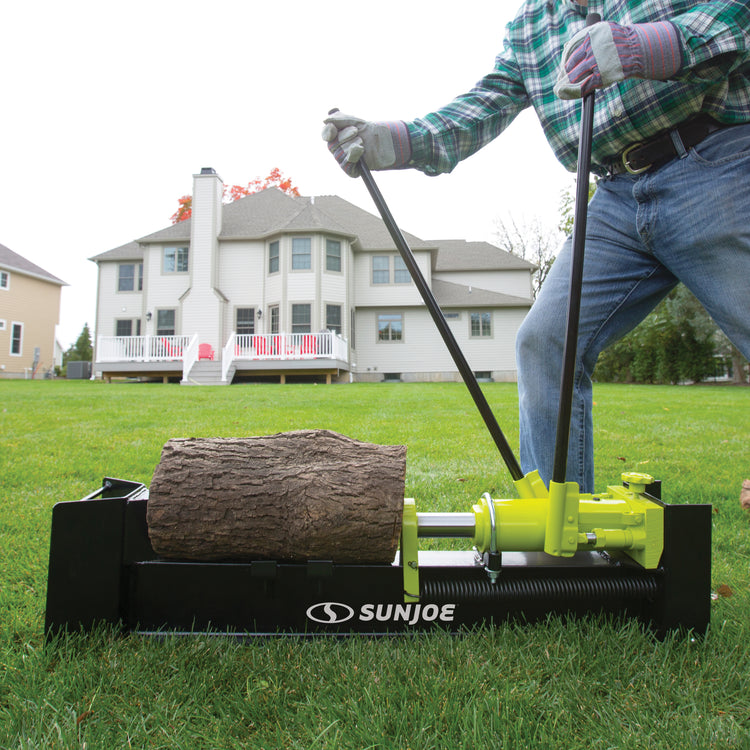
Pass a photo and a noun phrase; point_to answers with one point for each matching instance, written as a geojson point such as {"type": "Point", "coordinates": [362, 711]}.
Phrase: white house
{"type": "Point", "coordinates": [283, 286]}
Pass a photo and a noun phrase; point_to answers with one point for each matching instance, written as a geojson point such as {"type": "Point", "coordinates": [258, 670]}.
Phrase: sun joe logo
{"type": "Point", "coordinates": [335, 613]}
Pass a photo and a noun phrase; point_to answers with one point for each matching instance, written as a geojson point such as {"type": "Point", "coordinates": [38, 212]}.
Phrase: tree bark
{"type": "Point", "coordinates": [745, 494]}
{"type": "Point", "coordinates": [304, 495]}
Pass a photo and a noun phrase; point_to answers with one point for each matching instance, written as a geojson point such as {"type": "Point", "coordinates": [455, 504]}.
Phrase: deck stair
{"type": "Point", "coordinates": [206, 372]}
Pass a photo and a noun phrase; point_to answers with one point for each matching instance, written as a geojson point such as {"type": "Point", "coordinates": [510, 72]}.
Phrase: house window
{"type": "Point", "coordinates": [401, 273]}
{"type": "Point", "coordinates": [333, 318]}
{"type": "Point", "coordinates": [3, 325]}
{"type": "Point", "coordinates": [333, 255]}
{"type": "Point", "coordinates": [130, 277]}
{"type": "Point", "coordinates": [165, 322]}
{"type": "Point", "coordinates": [4, 280]}
{"type": "Point", "coordinates": [301, 320]}
{"type": "Point", "coordinates": [481, 324]}
{"type": "Point", "coordinates": [273, 314]}
{"type": "Point", "coordinates": [273, 257]}
{"type": "Point", "coordinates": [175, 259]}
{"type": "Point", "coordinates": [390, 327]}
{"type": "Point", "coordinates": [301, 254]}
{"type": "Point", "coordinates": [245, 321]}
{"type": "Point", "coordinates": [16, 339]}
{"type": "Point", "coordinates": [125, 327]}
{"type": "Point", "coordinates": [381, 269]}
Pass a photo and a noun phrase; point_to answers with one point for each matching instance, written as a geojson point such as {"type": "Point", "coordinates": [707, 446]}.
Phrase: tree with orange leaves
{"type": "Point", "coordinates": [233, 192]}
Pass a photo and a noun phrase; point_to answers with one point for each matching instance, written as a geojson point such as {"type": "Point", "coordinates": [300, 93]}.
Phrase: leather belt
{"type": "Point", "coordinates": [656, 151]}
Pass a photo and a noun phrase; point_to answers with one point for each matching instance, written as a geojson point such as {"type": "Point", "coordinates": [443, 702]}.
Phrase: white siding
{"type": "Point", "coordinates": [202, 307]}
{"type": "Point", "coordinates": [113, 305]}
{"type": "Point", "coordinates": [241, 280]}
{"type": "Point", "coordinates": [367, 293]}
{"type": "Point", "coordinates": [422, 350]}
{"type": "Point", "coordinates": [163, 290]}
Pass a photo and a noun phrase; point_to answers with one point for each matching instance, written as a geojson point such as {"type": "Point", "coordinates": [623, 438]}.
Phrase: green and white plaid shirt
{"type": "Point", "coordinates": [714, 80]}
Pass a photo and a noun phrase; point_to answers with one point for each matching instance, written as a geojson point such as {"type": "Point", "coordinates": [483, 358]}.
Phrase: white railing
{"type": "Point", "coordinates": [189, 357]}
{"type": "Point", "coordinates": [227, 357]}
{"type": "Point", "coordinates": [239, 347]}
{"type": "Point", "coordinates": [289, 346]}
{"type": "Point", "coordinates": [280, 347]}
{"type": "Point", "coordinates": [142, 348]}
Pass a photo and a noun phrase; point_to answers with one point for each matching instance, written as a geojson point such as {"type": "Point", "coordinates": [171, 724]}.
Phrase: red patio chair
{"type": "Point", "coordinates": [205, 351]}
{"type": "Point", "coordinates": [309, 344]}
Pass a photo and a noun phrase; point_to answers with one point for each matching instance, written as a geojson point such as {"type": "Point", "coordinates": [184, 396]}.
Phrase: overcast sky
{"type": "Point", "coordinates": [109, 109]}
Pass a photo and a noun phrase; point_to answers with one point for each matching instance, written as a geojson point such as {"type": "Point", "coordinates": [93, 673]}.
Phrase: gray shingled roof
{"type": "Point", "coordinates": [129, 251]}
{"type": "Point", "coordinates": [369, 229]}
{"type": "Point", "coordinates": [259, 215]}
{"type": "Point", "coordinates": [449, 294]}
{"type": "Point", "coordinates": [460, 255]}
{"type": "Point", "coordinates": [272, 211]}
{"type": "Point", "coordinates": [11, 261]}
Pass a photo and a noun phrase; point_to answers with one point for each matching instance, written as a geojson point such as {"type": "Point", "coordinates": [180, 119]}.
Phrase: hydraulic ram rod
{"type": "Point", "coordinates": [442, 325]}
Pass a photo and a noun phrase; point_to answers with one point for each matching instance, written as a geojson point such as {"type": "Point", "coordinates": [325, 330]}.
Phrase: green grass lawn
{"type": "Point", "coordinates": [578, 684]}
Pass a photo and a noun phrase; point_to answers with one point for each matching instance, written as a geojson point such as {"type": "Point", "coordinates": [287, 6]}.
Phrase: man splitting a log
{"type": "Point", "coordinates": [671, 149]}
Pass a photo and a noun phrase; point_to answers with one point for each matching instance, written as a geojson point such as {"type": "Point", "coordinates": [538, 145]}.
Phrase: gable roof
{"type": "Point", "coordinates": [449, 294]}
{"type": "Point", "coordinates": [370, 230]}
{"type": "Point", "coordinates": [460, 255]}
{"type": "Point", "coordinates": [259, 215]}
{"type": "Point", "coordinates": [271, 211]}
{"type": "Point", "coordinates": [128, 251]}
{"type": "Point", "coordinates": [11, 261]}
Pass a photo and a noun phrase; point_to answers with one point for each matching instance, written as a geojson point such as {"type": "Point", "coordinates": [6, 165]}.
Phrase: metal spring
{"type": "Point", "coordinates": [641, 587]}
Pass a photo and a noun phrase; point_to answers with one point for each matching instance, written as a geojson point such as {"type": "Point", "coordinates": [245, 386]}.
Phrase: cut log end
{"type": "Point", "coordinates": [745, 495]}
{"type": "Point", "coordinates": [303, 495]}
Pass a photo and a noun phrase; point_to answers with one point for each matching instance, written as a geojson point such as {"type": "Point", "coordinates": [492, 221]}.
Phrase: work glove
{"type": "Point", "coordinates": [605, 53]}
{"type": "Point", "coordinates": [384, 145]}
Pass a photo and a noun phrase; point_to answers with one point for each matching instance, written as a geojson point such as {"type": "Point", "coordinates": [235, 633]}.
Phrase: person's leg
{"type": "Point", "coordinates": [621, 285]}
{"type": "Point", "coordinates": [698, 226]}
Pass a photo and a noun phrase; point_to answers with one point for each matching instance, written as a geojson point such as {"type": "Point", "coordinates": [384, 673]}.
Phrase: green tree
{"type": "Point", "coordinates": [677, 341]}
{"type": "Point", "coordinates": [82, 350]}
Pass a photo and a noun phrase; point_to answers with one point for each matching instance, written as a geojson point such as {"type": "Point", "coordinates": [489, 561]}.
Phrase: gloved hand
{"type": "Point", "coordinates": [384, 145]}
{"type": "Point", "coordinates": [605, 53]}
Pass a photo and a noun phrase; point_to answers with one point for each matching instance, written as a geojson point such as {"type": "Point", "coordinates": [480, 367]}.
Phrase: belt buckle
{"type": "Point", "coordinates": [626, 163]}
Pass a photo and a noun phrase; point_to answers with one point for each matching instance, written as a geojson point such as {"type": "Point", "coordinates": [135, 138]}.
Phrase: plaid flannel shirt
{"type": "Point", "coordinates": [714, 80]}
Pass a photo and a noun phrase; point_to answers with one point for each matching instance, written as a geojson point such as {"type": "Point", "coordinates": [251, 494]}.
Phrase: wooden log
{"type": "Point", "coordinates": [303, 495]}
{"type": "Point", "coordinates": [745, 494]}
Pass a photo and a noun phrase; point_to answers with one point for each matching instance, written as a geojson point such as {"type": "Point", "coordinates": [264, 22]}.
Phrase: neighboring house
{"type": "Point", "coordinates": [29, 313]}
{"type": "Point", "coordinates": [275, 285]}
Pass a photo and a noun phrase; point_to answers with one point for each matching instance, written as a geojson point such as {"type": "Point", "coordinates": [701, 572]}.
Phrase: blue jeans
{"type": "Point", "coordinates": [687, 221]}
